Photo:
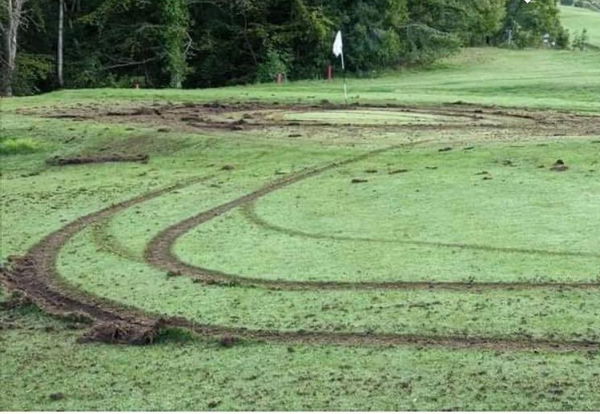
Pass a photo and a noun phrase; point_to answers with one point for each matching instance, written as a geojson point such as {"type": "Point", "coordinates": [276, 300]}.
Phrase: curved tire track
{"type": "Point", "coordinates": [36, 275]}
{"type": "Point", "coordinates": [159, 252]}
{"type": "Point", "coordinates": [249, 211]}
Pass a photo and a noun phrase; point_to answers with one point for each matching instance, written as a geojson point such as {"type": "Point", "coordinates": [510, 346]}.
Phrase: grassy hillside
{"type": "Point", "coordinates": [530, 78]}
{"type": "Point", "coordinates": [576, 19]}
{"type": "Point", "coordinates": [490, 245]}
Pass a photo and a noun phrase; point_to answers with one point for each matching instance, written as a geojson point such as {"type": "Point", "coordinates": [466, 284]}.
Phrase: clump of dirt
{"type": "Point", "coordinates": [228, 167]}
{"type": "Point", "coordinates": [95, 159]}
{"type": "Point", "coordinates": [359, 180]}
{"type": "Point", "coordinates": [171, 274]}
{"type": "Point", "coordinates": [56, 396]}
{"type": "Point", "coordinates": [559, 166]}
{"type": "Point", "coordinates": [123, 333]}
{"type": "Point", "coordinates": [400, 171]}
{"type": "Point", "coordinates": [228, 341]}
{"type": "Point", "coordinates": [486, 175]}
{"type": "Point", "coordinates": [144, 110]}
{"type": "Point", "coordinates": [214, 105]}
{"type": "Point", "coordinates": [446, 149]}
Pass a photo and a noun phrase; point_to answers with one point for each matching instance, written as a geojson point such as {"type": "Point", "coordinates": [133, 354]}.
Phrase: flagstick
{"type": "Point", "coordinates": [345, 84]}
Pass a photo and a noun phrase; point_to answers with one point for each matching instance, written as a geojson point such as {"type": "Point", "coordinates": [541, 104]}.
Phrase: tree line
{"type": "Point", "coordinates": [49, 44]}
{"type": "Point", "coordinates": [586, 4]}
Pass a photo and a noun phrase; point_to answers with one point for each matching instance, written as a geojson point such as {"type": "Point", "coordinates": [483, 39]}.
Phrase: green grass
{"type": "Point", "coordinates": [323, 228]}
{"type": "Point", "coordinates": [567, 80]}
{"type": "Point", "coordinates": [570, 315]}
{"type": "Point", "coordinates": [40, 358]}
{"type": "Point", "coordinates": [232, 244]}
{"type": "Point", "coordinates": [11, 146]}
{"type": "Point", "coordinates": [522, 207]}
{"type": "Point", "coordinates": [576, 19]}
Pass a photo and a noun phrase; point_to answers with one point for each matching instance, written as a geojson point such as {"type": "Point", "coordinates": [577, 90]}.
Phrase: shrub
{"type": "Point", "coordinates": [580, 40]}
{"type": "Point", "coordinates": [32, 72]}
{"type": "Point", "coordinates": [275, 62]}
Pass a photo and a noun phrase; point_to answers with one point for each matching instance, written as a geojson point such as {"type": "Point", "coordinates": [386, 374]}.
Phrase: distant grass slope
{"type": "Point", "coordinates": [566, 80]}
{"type": "Point", "coordinates": [576, 19]}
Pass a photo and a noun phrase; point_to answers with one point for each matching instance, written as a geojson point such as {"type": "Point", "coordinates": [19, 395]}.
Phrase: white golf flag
{"type": "Point", "coordinates": [338, 47]}
{"type": "Point", "coordinates": [338, 50]}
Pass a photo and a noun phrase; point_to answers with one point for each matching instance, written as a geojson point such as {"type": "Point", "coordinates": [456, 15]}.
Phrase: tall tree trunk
{"type": "Point", "coordinates": [176, 21]}
{"type": "Point", "coordinates": [59, 47]}
{"type": "Point", "coordinates": [8, 64]}
{"type": "Point", "coordinates": [10, 31]}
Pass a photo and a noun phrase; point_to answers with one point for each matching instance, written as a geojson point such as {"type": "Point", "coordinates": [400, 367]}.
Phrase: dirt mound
{"type": "Point", "coordinates": [95, 159]}
{"type": "Point", "coordinates": [228, 341]}
{"type": "Point", "coordinates": [359, 181]}
{"type": "Point", "coordinates": [559, 166]}
{"type": "Point", "coordinates": [400, 171]}
{"type": "Point", "coordinates": [123, 333]}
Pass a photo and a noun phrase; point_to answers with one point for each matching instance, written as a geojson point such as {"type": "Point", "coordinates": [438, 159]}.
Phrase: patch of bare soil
{"type": "Point", "coordinates": [95, 159]}
{"type": "Point", "coordinates": [123, 333]}
{"type": "Point", "coordinates": [190, 117]}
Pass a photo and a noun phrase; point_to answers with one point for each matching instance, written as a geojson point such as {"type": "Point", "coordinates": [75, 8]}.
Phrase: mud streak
{"type": "Point", "coordinates": [36, 275]}
{"type": "Point", "coordinates": [249, 211]}
{"type": "Point", "coordinates": [159, 252]}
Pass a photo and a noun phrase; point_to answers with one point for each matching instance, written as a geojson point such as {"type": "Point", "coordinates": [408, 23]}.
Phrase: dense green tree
{"type": "Point", "coordinates": [528, 23]}
{"type": "Point", "coordinates": [175, 21]}
{"type": "Point", "coordinates": [372, 30]}
{"type": "Point", "coordinates": [12, 18]}
{"type": "Point", "coordinates": [200, 43]}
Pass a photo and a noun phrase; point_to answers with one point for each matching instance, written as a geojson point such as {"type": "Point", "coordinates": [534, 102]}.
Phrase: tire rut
{"type": "Point", "coordinates": [159, 252]}
{"type": "Point", "coordinates": [36, 275]}
{"type": "Point", "coordinates": [249, 211]}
